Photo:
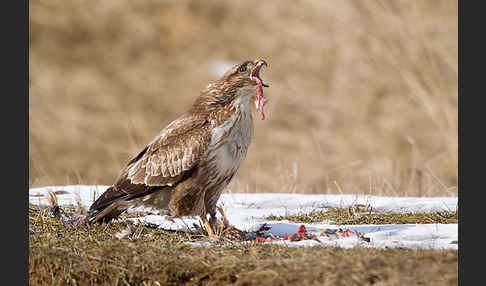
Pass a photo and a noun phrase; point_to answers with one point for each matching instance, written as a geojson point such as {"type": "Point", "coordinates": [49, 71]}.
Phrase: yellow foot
{"type": "Point", "coordinates": [207, 226]}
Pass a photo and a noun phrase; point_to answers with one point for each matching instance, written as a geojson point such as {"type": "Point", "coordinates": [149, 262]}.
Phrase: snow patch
{"type": "Point", "coordinates": [248, 212]}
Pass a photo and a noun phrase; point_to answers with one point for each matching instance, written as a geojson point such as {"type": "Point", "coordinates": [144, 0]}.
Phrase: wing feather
{"type": "Point", "coordinates": [166, 161]}
{"type": "Point", "coordinates": [174, 151]}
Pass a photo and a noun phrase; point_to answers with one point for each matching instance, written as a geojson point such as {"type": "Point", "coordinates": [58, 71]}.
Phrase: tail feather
{"type": "Point", "coordinates": [108, 206]}
{"type": "Point", "coordinates": [108, 213]}
{"type": "Point", "coordinates": [115, 201]}
{"type": "Point", "coordinates": [104, 216]}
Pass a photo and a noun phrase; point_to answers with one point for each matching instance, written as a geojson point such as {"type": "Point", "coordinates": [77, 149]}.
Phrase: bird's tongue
{"type": "Point", "coordinates": [259, 96]}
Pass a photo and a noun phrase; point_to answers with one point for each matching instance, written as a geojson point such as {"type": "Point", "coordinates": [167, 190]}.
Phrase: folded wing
{"type": "Point", "coordinates": [169, 159]}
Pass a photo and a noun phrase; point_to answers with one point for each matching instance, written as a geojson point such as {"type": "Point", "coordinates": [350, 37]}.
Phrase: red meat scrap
{"type": "Point", "coordinates": [303, 234]}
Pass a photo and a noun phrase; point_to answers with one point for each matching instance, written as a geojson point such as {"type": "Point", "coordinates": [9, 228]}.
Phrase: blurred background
{"type": "Point", "coordinates": [362, 100]}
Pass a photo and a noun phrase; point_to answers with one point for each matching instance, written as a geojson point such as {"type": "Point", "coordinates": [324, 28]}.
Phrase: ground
{"type": "Point", "coordinates": [153, 255]}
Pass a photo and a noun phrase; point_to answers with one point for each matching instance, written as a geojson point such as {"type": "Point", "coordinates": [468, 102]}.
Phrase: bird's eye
{"type": "Point", "coordinates": [242, 68]}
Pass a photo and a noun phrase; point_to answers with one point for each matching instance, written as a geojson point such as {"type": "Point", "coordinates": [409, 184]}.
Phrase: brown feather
{"type": "Point", "coordinates": [186, 167]}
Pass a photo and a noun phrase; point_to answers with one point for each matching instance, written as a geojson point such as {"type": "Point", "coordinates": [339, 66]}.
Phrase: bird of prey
{"type": "Point", "coordinates": [188, 164]}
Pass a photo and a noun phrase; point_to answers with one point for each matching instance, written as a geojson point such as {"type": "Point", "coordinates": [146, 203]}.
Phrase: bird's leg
{"type": "Point", "coordinates": [213, 221]}
{"type": "Point", "coordinates": [215, 224]}
{"type": "Point", "coordinates": [207, 226]}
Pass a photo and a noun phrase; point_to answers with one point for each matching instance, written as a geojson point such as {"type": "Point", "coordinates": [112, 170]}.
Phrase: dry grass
{"type": "Point", "coordinates": [363, 95]}
{"type": "Point", "coordinates": [61, 256]}
{"type": "Point", "coordinates": [360, 214]}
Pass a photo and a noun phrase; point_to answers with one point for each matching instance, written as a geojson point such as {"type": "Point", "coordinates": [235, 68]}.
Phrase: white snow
{"type": "Point", "coordinates": [248, 212]}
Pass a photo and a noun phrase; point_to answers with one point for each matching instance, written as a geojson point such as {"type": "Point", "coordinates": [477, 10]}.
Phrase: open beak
{"type": "Point", "coordinates": [256, 71]}
{"type": "Point", "coordinates": [255, 77]}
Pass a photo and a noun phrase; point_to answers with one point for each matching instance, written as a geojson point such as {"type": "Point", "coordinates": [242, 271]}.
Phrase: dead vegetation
{"type": "Point", "coordinates": [59, 255]}
{"type": "Point", "coordinates": [361, 214]}
{"type": "Point", "coordinates": [362, 98]}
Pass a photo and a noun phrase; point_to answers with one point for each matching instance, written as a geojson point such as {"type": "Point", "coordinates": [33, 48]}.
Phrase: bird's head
{"type": "Point", "coordinates": [241, 82]}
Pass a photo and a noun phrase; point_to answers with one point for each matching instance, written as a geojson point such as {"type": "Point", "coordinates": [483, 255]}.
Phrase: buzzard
{"type": "Point", "coordinates": [186, 167]}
